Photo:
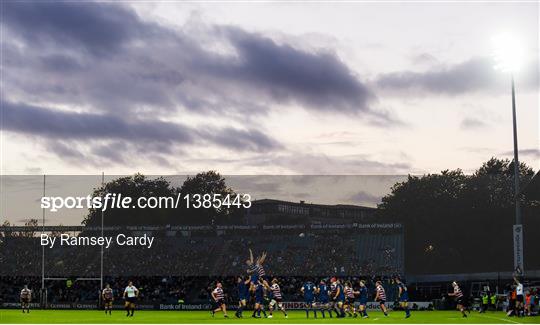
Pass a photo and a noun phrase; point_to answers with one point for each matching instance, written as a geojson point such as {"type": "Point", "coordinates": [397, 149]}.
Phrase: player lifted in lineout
{"type": "Point", "coordinates": [256, 270]}
{"type": "Point", "coordinates": [26, 298]}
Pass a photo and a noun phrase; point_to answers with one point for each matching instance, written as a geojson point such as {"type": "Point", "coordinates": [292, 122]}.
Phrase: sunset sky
{"type": "Point", "coordinates": [262, 88]}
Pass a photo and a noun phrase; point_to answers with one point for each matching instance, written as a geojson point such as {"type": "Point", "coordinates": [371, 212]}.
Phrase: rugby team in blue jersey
{"type": "Point", "coordinates": [335, 299]}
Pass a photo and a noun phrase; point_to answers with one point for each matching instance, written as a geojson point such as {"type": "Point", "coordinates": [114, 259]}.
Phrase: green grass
{"type": "Point", "coordinates": [118, 316]}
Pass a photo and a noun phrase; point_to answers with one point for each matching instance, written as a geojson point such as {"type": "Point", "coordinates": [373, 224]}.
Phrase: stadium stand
{"type": "Point", "coordinates": [183, 263]}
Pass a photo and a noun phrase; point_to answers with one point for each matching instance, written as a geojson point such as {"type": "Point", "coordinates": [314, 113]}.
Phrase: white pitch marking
{"type": "Point", "coordinates": [503, 319]}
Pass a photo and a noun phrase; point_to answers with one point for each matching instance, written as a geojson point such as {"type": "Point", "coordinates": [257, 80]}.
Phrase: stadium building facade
{"type": "Point", "coordinates": [271, 211]}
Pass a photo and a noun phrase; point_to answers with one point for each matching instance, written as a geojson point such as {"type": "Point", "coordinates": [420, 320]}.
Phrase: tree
{"type": "Point", "coordinates": [57, 233]}
{"type": "Point", "coordinates": [31, 227]}
{"type": "Point", "coordinates": [7, 233]}
{"type": "Point", "coordinates": [139, 186]}
{"type": "Point", "coordinates": [453, 220]}
{"type": "Point", "coordinates": [209, 183]}
{"type": "Point", "coordinates": [136, 186]}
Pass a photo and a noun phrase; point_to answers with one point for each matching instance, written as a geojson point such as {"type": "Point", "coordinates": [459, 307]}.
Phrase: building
{"type": "Point", "coordinates": [277, 211]}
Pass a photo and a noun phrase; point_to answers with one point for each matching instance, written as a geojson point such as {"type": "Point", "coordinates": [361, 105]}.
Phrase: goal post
{"type": "Point", "coordinates": [44, 299]}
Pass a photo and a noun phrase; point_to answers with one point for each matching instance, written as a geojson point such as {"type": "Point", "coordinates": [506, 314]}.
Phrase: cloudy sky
{"type": "Point", "coordinates": [262, 88]}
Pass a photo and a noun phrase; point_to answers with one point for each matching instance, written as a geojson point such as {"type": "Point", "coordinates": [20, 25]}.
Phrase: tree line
{"type": "Point", "coordinates": [454, 221]}
{"type": "Point", "coordinates": [139, 185]}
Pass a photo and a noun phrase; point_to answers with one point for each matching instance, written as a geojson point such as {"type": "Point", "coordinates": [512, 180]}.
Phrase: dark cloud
{"type": "Point", "coordinates": [94, 28]}
{"type": "Point", "coordinates": [320, 164]}
{"type": "Point", "coordinates": [529, 152]}
{"type": "Point", "coordinates": [81, 136]}
{"type": "Point", "coordinates": [423, 59]}
{"type": "Point", "coordinates": [33, 170]}
{"type": "Point", "coordinates": [314, 164]}
{"type": "Point", "coordinates": [151, 67]}
{"type": "Point", "coordinates": [50, 123]}
{"type": "Point", "coordinates": [333, 189]}
{"type": "Point", "coordinates": [60, 63]}
{"type": "Point", "coordinates": [65, 150]}
{"type": "Point", "coordinates": [363, 197]}
{"type": "Point", "coordinates": [319, 80]}
{"type": "Point", "coordinates": [483, 150]}
{"type": "Point", "coordinates": [244, 140]}
{"type": "Point", "coordinates": [469, 123]}
{"type": "Point", "coordinates": [112, 151]}
{"type": "Point", "coordinates": [467, 76]}
{"type": "Point", "coordinates": [129, 76]}
{"type": "Point", "coordinates": [257, 186]}
{"type": "Point", "coordinates": [473, 75]}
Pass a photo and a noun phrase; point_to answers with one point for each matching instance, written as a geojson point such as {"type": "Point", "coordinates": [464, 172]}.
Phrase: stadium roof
{"type": "Point", "coordinates": [532, 189]}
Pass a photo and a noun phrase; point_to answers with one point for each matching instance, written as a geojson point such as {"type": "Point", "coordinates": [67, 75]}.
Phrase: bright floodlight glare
{"type": "Point", "coordinates": [508, 52]}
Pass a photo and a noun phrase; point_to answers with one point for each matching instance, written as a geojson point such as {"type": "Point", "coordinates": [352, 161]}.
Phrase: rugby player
{"type": "Point", "coordinates": [380, 297]}
{"type": "Point", "coordinates": [256, 269]}
{"type": "Point", "coordinates": [458, 296]}
{"type": "Point", "coordinates": [277, 298]}
{"type": "Point", "coordinates": [260, 269]}
{"type": "Point", "coordinates": [130, 295]}
{"type": "Point", "coordinates": [26, 298]}
{"type": "Point", "coordinates": [219, 300]}
{"type": "Point", "coordinates": [108, 297]}
{"type": "Point", "coordinates": [338, 297]}
{"type": "Point", "coordinates": [520, 310]}
{"type": "Point", "coordinates": [243, 295]}
{"type": "Point", "coordinates": [258, 290]}
{"type": "Point", "coordinates": [363, 298]}
{"type": "Point", "coordinates": [350, 295]}
{"type": "Point", "coordinates": [323, 301]}
{"type": "Point", "coordinates": [528, 303]}
{"type": "Point", "coordinates": [251, 268]}
{"type": "Point", "coordinates": [403, 296]}
{"type": "Point", "coordinates": [308, 290]}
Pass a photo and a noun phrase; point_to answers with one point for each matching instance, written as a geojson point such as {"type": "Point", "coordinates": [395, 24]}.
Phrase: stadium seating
{"type": "Point", "coordinates": [189, 263]}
